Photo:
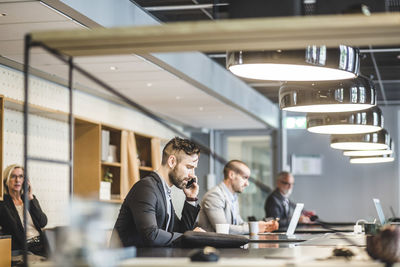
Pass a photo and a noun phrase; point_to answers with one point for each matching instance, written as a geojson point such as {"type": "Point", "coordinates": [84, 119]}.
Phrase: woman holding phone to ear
{"type": "Point", "coordinates": [12, 210]}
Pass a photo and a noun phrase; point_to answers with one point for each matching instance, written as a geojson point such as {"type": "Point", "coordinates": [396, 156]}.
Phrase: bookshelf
{"type": "Point", "coordinates": [148, 153]}
{"type": "Point", "coordinates": [98, 153]}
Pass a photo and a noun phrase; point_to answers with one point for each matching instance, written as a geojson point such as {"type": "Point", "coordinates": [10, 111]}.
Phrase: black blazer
{"type": "Point", "coordinates": [274, 208]}
{"type": "Point", "coordinates": [11, 223]}
{"type": "Point", "coordinates": [143, 216]}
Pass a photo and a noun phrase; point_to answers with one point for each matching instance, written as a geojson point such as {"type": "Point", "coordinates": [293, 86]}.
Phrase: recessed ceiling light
{"type": "Point", "coordinates": [201, 108]}
{"type": "Point", "coordinates": [113, 68]}
{"type": "Point", "coordinates": [3, 14]}
{"type": "Point", "coordinates": [178, 97]}
{"type": "Point", "coordinates": [149, 84]}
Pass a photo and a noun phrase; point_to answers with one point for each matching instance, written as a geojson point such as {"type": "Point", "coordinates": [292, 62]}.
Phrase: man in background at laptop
{"type": "Point", "coordinates": [278, 204]}
{"type": "Point", "coordinates": [220, 204]}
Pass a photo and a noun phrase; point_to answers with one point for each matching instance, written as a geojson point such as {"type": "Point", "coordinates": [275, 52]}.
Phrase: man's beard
{"type": "Point", "coordinates": [173, 177]}
{"type": "Point", "coordinates": [288, 193]}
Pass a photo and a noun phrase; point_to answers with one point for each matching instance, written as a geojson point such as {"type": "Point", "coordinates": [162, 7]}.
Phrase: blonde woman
{"type": "Point", "coordinates": [11, 213]}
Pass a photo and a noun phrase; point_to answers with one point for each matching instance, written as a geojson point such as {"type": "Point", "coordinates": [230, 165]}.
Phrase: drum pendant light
{"type": "Point", "coordinates": [369, 141]}
{"type": "Point", "coordinates": [327, 96]}
{"type": "Point", "coordinates": [371, 159]}
{"type": "Point", "coordinates": [357, 122]}
{"type": "Point", "coordinates": [316, 63]}
{"type": "Point", "coordinates": [370, 153]}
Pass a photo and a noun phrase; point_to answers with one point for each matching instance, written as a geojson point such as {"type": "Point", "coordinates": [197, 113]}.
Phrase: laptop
{"type": "Point", "coordinates": [379, 210]}
{"type": "Point", "coordinates": [289, 235]}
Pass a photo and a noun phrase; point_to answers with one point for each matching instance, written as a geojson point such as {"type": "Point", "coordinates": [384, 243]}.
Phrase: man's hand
{"type": "Point", "coordinates": [198, 229]}
{"type": "Point", "coordinates": [304, 219]}
{"type": "Point", "coordinates": [193, 191]}
{"type": "Point", "coordinates": [268, 226]}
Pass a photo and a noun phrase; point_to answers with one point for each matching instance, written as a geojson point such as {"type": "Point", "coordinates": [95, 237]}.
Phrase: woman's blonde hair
{"type": "Point", "coordinates": [7, 174]}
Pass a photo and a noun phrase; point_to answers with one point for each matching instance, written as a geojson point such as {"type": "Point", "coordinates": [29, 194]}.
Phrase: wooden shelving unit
{"type": "Point", "coordinates": [87, 171]}
{"type": "Point", "coordinates": [89, 168]}
{"type": "Point", "coordinates": [148, 149]}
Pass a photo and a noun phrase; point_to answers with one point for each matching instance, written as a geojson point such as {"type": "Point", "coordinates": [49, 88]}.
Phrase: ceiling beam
{"type": "Point", "coordinates": [242, 34]}
{"type": "Point", "coordinates": [182, 7]}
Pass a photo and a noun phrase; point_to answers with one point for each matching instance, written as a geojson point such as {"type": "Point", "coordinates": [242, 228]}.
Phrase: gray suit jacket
{"type": "Point", "coordinates": [143, 216]}
{"type": "Point", "coordinates": [216, 208]}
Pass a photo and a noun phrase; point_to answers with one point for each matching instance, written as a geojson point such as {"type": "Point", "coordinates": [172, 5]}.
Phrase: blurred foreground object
{"type": "Point", "coordinates": [385, 245]}
{"type": "Point", "coordinates": [85, 240]}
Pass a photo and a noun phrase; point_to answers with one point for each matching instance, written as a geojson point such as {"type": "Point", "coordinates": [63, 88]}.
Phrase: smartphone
{"type": "Point", "coordinates": [190, 183]}
{"type": "Point", "coordinates": [23, 185]}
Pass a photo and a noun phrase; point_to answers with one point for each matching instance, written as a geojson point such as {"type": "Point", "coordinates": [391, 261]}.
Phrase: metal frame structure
{"type": "Point", "coordinates": [29, 44]}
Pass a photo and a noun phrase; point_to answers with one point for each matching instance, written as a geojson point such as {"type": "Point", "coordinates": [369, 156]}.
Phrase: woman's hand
{"type": "Point", "coordinates": [30, 194]}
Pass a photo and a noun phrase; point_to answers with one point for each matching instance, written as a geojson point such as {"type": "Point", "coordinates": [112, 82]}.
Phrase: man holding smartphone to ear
{"type": "Point", "coordinates": [147, 217]}
{"type": "Point", "coordinates": [220, 204]}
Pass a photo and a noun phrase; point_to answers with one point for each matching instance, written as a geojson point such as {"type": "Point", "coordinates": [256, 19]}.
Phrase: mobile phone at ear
{"type": "Point", "coordinates": [23, 185]}
{"type": "Point", "coordinates": [190, 183]}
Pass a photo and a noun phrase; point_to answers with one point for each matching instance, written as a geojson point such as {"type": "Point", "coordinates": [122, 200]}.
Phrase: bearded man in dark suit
{"type": "Point", "coordinates": [147, 217]}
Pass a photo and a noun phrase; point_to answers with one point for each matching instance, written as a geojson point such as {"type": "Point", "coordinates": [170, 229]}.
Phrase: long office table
{"type": "Point", "coordinates": [314, 252]}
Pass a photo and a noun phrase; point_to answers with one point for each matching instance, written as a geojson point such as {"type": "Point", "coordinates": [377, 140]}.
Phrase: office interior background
{"type": "Point", "coordinates": [193, 91]}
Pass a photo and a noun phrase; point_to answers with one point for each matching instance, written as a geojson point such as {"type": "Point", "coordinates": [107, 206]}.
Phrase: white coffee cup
{"type": "Point", "coordinates": [253, 227]}
{"type": "Point", "coordinates": [222, 228]}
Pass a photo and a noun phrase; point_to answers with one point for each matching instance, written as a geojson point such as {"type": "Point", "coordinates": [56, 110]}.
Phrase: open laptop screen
{"type": "Point", "coordinates": [379, 210]}
{"type": "Point", "coordinates": [295, 219]}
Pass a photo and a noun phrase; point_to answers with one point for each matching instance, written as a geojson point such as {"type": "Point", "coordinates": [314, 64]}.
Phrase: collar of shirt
{"type": "Point", "coordinates": [167, 189]}
{"type": "Point", "coordinates": [233, 196]}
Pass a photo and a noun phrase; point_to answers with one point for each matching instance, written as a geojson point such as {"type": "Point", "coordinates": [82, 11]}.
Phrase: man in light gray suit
{"type": "Point", "coordinates": [220, 204]}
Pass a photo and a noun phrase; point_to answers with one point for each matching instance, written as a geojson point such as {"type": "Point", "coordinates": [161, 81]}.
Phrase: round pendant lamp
{"type": "Point", "coordinates": [371, 159]}
{"type": "Point", "coordinates": [370, 153]}
{"type": "Point", "coordinates": [316, 63]}
{"type": "Point", "coordinates": [327, 96]}
{"type": "Point", "coordinates": [369, 141]}
{"type": "Point", "coordinates": [357, 122]}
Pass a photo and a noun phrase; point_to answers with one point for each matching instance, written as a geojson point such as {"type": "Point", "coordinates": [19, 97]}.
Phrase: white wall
{"type": "Point", "coordinates": [49, 137]}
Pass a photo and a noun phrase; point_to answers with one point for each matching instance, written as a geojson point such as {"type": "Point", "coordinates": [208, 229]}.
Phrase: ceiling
{"type": "Point", "coordinates": [137, 78]}
{"type": "Point", "coordinates": [155, 88]}
{"type": "Point", "coordinates": [385, 72]}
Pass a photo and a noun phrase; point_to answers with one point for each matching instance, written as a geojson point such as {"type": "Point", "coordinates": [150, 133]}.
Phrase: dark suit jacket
{"type": "Point", "coordinates": [274, 208]}
{"type": "Point", "coordinates": [143, 216]}
{"type": "Point", "coordinates": [11, 223]}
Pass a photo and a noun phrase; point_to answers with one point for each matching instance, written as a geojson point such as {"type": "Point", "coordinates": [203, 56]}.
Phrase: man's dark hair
{"type": "Point", "coordinates": [179, 144]}
{"type": "Point", "coordinates": [232, 166]}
